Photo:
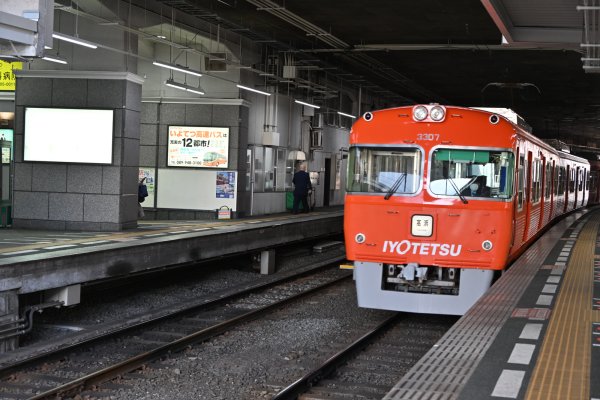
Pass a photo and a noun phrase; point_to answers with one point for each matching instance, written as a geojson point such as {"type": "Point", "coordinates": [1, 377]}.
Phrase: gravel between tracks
{"type": "Point", "coordinates": [250, 362]}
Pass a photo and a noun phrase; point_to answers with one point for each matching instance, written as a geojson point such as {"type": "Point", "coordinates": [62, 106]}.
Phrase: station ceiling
{"type": "Point", "coordinates": [448, 52]}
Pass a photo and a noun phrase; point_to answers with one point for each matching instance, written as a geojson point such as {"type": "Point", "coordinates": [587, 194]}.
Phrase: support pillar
{"type": "Point", "coordinates": [267, 262]}
{"type": "Point", "coordinates": [79, 196]}
{"type": "Point", "coordinates": [9, 316]}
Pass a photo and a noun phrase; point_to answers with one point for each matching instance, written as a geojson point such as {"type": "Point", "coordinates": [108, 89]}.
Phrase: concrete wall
{"type": "Point", "coordinates": [79, 196]}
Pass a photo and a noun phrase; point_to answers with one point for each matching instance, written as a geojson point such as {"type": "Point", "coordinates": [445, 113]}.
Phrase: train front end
{"type": "Point", "coordinates": [428, 209]}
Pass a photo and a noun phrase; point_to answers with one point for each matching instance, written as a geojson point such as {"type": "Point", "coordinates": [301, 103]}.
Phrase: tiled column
{"type": "Point", "coordinates": [66, 196]}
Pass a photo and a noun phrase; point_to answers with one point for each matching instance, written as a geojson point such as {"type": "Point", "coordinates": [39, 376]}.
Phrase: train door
{"type": "Point", "coordinates": [577, 184]}
{"type": "Point", "coordinates": [542, 192]}
{"type": "Point", "coordinates": [552, 188]}
{"type": "Point", "coordinates": [582, 185]}
{"type": "Point", "coordinates": [567, 186]}
{"type": "Point", "coordinates": [527, 205]}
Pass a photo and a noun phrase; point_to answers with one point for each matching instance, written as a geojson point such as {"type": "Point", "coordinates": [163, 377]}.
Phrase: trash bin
{"type": "Point", "coordinates": [223, 212]}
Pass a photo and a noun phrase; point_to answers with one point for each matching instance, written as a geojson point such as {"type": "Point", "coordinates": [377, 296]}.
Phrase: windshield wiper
{"type": "Point", "coordinates": [395, 186]}
{"type": "Point", "coordinates": [460, 195]}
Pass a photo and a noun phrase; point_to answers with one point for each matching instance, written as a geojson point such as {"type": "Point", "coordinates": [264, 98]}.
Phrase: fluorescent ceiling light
{"type": "Point", "coordinates": [55, 59]}
{"type": "Point", "coordinates": [75, 40]}
{"type": "Point", "coordinates": [179, 68]}
{"type": "Point", "coordinates": [346, 115]}
{"type": "Point", "coordinates": [306, 104]}
{"type": "Point", "coordinates": [253, 90]}
{"type": "Point", "coordinates": [182, 86]}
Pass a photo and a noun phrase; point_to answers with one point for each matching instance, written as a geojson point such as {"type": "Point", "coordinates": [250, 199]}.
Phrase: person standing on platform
{"type": "Point", "coordinates": [142, 194]}
{"type": "Point", "coordinates": [302, 186]}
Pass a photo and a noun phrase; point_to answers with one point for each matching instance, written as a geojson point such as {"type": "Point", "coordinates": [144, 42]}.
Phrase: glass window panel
{"type": "Point", "coordinates": [472, 173]}
{"type": "Point", "coordinates": [280, 169]}
{"type": "Point", "coordinates": [384, 170]}
{"type": "Point", "coordinates": [259, 169]}
{"type": "Point", "coordinates": [269, 169]}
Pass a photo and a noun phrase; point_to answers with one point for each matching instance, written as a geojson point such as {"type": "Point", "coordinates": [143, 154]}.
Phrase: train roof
{"type": "Point", "coordinates": [508, 114]}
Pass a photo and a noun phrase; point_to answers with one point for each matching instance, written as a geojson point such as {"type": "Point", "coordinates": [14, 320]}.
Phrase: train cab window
{"type": "Point", "coordinates": [476, 173]}
{"type": "Point", "coordinates": [384, 170]}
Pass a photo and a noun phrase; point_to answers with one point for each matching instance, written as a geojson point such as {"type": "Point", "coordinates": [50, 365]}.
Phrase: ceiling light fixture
{"type": "Point", "coordinates": [74, 40]}
{"type": "Point", "coordinates": [346, 115]}
{"type": "Point", "coordinates": [306, 104]}
{"type": "Point", "coordinates": [253, 90]}
{"type": "Point", "coordinates": [55, 59]}
{"type": "Point", "coordinates": [181, 86]}
{"type": "Point", "coordinates": [175, 67]}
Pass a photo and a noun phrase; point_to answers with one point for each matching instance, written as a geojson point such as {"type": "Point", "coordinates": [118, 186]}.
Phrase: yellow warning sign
{"type": "Point", "coordinates": [7, 76]}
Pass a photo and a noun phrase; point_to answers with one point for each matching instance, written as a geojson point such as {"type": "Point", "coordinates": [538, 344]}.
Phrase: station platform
{"type": "Point", "coordinates": [535, 334]}
{"type": "Point", "coordinates": [53, 262]}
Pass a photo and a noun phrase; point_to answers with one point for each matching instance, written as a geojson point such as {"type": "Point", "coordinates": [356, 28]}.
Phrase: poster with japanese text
{"type": "Point", "coordinates": [196, 146]}
{"type": "Point", "coordinates": [148, 173]}
{"type": "Point", "coordinates": [225, 185]}
{"type": "Point", "coordinates": [7, 76]}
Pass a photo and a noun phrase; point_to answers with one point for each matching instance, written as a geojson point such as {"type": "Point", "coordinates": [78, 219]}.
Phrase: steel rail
{"type": "Point", "coordinates": [138, 361]}
{"type": "Point", "coordinates": [308, 380]}
{"type": "Point", "coordinates": [167, 314]}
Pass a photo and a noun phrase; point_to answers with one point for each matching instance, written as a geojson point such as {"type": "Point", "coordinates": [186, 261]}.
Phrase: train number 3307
{"type": "Point", "coordinates": [428, 136]}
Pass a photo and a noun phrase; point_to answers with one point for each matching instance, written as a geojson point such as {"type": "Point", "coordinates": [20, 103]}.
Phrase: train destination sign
{"type": "Point", "coordinates": [197, 146]}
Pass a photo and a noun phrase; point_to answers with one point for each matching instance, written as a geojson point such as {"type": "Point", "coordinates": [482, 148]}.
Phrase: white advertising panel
{"type": "Point", "coordinates": [196, 146]}
{"type": "Point", "coordinates": [68, 135]}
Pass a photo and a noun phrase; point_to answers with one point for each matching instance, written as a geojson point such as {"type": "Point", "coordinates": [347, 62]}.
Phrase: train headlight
{"type": "Point", "coordinates": [360, 238]}
{"type": "Point", "coordinates": [487, 245]}
{"type": "Point", "coordinates": [437, 113]}
{"type": "Point", "coordinates": [420, 113]}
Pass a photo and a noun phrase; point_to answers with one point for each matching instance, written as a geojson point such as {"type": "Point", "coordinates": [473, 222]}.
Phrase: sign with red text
{"type": "Point", "coordinates": [197, 146]}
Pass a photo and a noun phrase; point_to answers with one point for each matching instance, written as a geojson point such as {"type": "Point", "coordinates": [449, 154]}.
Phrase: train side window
{"type": "Point", "coordinates": [561, 180]}
{"type": "Point", "coordinates": [548, 189]}
{"type": "Point", "coordinates": [572, 181]}
{"type": "Point", "coordinates": [588, 180]}
{"type": "Point", "coordinates": [536, 169]}
{"type": "Point", "coordinates": [581, 175]}
{"type": "Point", "coordinates": [521, 182]}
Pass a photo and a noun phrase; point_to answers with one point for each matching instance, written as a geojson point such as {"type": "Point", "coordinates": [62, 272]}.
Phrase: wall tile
{"type": "Point", "coordinates": [49, 177]}
{"type": "Point", "coordinates": [84, 178]}
{"type": "Point", "coordinates": [66, 207]}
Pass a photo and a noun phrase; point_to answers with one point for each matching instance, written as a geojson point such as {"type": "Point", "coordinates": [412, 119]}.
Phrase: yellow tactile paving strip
{"type": "Point", "coordinates": [139, 233]}
{"type": "Point", "coordinates": [562, 370]}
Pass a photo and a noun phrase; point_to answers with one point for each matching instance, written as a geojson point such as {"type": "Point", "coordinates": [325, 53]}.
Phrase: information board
{"type": "Point", "coordinates": [197, 146]}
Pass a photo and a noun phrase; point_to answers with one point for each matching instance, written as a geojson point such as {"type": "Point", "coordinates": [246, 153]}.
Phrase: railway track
{"type": "Point", "coordinates": [370, 366]}
{"type": "Point", "coordinates": [69, 370]}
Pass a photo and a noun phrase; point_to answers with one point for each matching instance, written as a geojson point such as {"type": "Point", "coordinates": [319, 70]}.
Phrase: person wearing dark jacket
{"type": "Point", "coordinates": [302, 186]}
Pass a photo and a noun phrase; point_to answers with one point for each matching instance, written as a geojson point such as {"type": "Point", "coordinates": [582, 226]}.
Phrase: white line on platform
{"type": "Point", "coordinates": [521, 353]}
{"type": "Point", "coordinates": [544, 300]}
{"type": "Point", "coordinates": [14, 253]}
{"type": "Point", "coordinates": [548, 288]}
{"type": "Point", "coordinates": [96, 242]}
{"type": "Point", "coordinates": [531, 331]}
{"type": "Point", "coordinates": [62, 246]}
{"type": "Point", "coordinates": [508, 384]}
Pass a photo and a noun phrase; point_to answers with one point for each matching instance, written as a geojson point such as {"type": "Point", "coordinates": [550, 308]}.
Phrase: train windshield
{"type": "Point", "coordinates": [384, 170]}
{"type": "Point", "coordinates": [472, 172]}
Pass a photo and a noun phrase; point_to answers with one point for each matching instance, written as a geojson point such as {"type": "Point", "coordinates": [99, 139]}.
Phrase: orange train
{"type": "Point", "coordinates": [440, 199]}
